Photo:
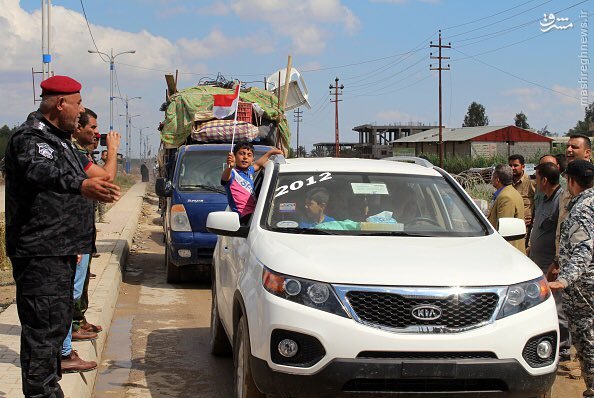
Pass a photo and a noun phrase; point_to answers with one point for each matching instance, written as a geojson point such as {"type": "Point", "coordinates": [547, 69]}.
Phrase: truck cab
{"type": "Point", "coordinates": [192, 189]}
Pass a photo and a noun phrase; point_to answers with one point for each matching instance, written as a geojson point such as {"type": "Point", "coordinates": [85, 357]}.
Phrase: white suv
{"type": "Point", "coordinates": [396, 285]}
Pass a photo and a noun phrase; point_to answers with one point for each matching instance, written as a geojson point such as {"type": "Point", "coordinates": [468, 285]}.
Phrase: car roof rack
{"type": "Point", "coordinates": [411, 159]}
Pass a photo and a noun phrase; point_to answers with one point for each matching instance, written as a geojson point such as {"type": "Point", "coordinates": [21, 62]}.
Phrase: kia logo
{"type": "Point", "coordinates": [426, 312]}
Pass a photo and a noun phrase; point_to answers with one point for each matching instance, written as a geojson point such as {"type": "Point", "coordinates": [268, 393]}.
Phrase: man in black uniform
{"type": "Point", "coordinates": [48, 223]}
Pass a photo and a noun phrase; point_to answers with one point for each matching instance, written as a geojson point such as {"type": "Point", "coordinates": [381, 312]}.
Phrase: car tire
{"type": "Point", "coordinates": [243, 383]}
{"type": "Point", "coordinates": [219, 342]}
{"type": "Point", "coordinates": [173, 273]}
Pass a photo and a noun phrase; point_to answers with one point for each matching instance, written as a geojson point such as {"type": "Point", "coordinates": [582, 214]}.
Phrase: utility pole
{"type": "Point", "coordinates": [298, 118]}
{"type": "Point", "coordinates": [141, 143]}
{"type": "Point", "coordinates": [440, 68]}
{"type": "Point", "coordinates": [336, 87]}
{"type": "Point", "coordinates": [46, 28]}
{"type": "Point", "coordinates": [111, 62]}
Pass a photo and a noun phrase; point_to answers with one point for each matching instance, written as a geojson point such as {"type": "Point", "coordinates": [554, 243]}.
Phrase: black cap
{"type": "Point", "coordinates": [580, 168]}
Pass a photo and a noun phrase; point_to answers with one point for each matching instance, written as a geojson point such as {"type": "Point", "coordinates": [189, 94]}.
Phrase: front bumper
{"type": "Point", "coordinates": [199, 244]}
{"type": "Point", "coordinates": [410, 378]}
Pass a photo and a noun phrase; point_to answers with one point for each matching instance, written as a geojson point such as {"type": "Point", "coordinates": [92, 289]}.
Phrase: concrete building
{"type": "Point", "coordinates": [375, 140]}
{"type": "Point", "coordinates": [484, 141]}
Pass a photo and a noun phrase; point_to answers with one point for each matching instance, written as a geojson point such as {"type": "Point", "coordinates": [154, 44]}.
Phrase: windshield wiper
{"type": "Point", "coordinates": [305, 231]}
{"type": "Point", "coordinates": [205, 187]}
{"type": "Point", "coordinates": [397, 233]}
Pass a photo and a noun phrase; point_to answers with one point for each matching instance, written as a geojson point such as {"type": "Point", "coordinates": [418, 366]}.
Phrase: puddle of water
{"type": "Point", "coordinates": [114, 371]}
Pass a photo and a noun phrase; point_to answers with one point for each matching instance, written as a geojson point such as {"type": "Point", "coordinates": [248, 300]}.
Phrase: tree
{"type": "Point", "coordinates": [475, 116]}
{"type": "Point", "coordinates": [5, 134]}
{"type": "Point", "coordinates": [301, 152]}
{"type": "Point", "coordinates": [318, 153]}
{"type": "Point", "coordinates": [521, 120]}
{"type": "Point", "coordinates": [545, 131]}
{"type": "Point", "coordinates": [584, 126]}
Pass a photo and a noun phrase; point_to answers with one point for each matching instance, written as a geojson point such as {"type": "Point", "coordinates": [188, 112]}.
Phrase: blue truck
{"type": "Point", "coordinates": [190, 188]}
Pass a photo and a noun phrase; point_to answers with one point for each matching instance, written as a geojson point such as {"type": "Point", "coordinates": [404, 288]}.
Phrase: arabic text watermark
{"type": "Point", "coordinates": [550, 22]}
{"type": "Point", "coordinates": [584, 58]}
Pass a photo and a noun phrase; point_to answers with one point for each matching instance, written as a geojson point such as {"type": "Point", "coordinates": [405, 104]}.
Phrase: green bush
{"type": "Point", "coordinates": [458, 164]}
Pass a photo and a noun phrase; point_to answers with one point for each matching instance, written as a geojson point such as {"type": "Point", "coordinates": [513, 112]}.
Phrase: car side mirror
{"type": "Point", "coordinates": [512, 228]}
{"type": "Point", "coordinates": [163, 187]}
{"type": "Point", "coordinates": [226, 223]}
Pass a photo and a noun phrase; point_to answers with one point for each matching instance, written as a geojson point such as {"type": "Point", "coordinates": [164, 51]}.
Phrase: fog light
{"type": "Point", "coordinates": [185, 253]}
{"type": "Point", "coordinates": [288, 348]}
{"type": "Point", "coordinates": [544, 349]}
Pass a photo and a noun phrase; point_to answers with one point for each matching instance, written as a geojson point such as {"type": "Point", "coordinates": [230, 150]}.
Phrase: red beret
{"type": "Point", "coordinates": [60, 85]}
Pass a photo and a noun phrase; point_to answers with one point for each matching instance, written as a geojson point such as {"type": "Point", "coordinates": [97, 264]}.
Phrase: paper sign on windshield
{"type": "Point", "coordinates": [371, 188]}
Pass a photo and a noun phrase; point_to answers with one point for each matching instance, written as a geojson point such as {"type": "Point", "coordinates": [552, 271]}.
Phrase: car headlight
{"type": "Point", "coordinates": [524, 295]}
{"type": "Point", "coordinates": [179, 219]}
{"type": "Point", "coordinates": [313, 294]}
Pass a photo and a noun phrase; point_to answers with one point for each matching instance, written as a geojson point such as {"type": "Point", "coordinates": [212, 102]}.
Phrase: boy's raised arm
{"type": "Point", "coordinates": [260, 162]}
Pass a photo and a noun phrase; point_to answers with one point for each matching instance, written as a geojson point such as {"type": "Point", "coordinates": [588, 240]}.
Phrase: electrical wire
{"type": "Point", "coordinates": [499, 21]}
{"type": "Point", "coordinates": [497, 49]}
{"type": "Point", "coordinates": [515, 76]}
{"type": "Point", "coordinates": [487, 17]}
{"type": "Point", "coordinates": [90, 32]}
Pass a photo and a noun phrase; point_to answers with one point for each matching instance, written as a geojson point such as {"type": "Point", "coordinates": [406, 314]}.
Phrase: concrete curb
{"type": "Point", "coordinates": [104, 294]}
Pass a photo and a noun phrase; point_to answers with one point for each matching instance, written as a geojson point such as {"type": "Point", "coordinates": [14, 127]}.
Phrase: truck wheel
{"type": "Point", "coordinates": [219, 343]}
{"type": "Point", "coordinates": [243, 383]}
{"type": "Point", "coordinates": [173, 272]}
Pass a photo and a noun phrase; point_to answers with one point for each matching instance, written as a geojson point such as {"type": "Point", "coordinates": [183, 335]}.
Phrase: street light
{"type": "Point", "coordinates": [140, 147]}
{"type": "Point", "coordinates": [128, 136]}
{"type": "Point", "coordinates": [128, 127]}
{"type": "Point", "coordinates": [111, 62]}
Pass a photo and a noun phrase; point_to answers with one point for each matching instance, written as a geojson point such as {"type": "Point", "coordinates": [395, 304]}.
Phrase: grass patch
{"type": "Point", "coordinates": [124, 181]}
{"type": "Point", "coordinates": [4, 260]}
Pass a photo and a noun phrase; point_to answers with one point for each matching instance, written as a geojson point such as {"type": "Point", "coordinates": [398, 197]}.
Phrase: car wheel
{"type": "Point", "coordinates": [173, 272]}
{"type": "Point", "coordinates": [219, 342]}
{"type": "Point", "coordinates": [243, 383]}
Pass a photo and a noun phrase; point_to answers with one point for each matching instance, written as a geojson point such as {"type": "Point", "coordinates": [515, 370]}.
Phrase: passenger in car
{"type": "Point", "coordinates": [315, 206]}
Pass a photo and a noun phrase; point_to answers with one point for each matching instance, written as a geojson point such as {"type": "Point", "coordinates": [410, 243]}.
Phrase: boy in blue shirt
{"type": "Point", "coordinates": [315, 204]}
{"type": "Point", "coordinates": [238, 177]}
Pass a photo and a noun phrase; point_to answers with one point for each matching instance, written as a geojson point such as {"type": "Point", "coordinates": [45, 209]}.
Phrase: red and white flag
{"type": "Point", "coordinates": [225, 104]}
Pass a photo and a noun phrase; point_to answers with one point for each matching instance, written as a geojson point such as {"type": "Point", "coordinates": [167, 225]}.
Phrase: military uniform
{"type": "Point", "coordinates": [577, 274]}
{"type": "Point", "coordinates": [48, 223]}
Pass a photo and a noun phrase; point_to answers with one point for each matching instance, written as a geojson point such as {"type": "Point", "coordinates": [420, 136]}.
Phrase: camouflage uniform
{"type": "Point", "coordinates": [48, 223]}
{"type": "Point", "coordinates": [577, 274]}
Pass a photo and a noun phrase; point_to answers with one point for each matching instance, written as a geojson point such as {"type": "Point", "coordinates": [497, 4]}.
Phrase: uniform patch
{"type": "Point", "coordinates": [45, 150]}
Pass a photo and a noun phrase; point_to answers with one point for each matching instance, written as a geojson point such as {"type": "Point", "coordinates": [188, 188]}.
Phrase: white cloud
{"type": "Point", "coordinates": [305, 22]}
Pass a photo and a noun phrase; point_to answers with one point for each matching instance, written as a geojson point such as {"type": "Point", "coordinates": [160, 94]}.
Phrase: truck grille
{"type": "Point", "coordinates": [395, 311]}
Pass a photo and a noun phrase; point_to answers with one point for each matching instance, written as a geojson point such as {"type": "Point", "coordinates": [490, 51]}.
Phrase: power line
{"type": "Point", "coordinates": [90, 32]}
{"type": "Point", "coordinates": [487, 17]}
{"type": "Point", "coordinates": [499, 21]}
{"type": "Point", "coordinates": [515, 76]}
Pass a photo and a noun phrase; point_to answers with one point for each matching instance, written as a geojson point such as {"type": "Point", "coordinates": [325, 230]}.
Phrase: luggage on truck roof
{"type": "Point", "coordinates": [189, 114]}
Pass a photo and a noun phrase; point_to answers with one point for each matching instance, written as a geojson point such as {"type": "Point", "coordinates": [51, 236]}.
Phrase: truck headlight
{"type": "Point", "coordinates": [313, 294]}
{"type": "Point", "coordinates": [524, 295]}
{"type": "Point", "coordinates": [179, 219]}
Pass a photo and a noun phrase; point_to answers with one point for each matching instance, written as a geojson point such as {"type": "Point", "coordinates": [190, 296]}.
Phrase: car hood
{"type": "Point", "coordinates": [395, 261]}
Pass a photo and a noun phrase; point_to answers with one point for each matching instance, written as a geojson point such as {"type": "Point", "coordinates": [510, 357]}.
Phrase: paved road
{"type": "Point", "coordinates": [158, 343]}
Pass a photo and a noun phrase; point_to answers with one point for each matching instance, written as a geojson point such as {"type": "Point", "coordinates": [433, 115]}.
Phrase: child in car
{"type": "Point", "coordinates": [238, 177]}
{"type": "Point", "coordinates": [315, 205]}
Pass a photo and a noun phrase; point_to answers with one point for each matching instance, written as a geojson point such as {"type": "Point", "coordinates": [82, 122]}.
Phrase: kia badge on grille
{"type": "Point", "coordinates": [426, 312]}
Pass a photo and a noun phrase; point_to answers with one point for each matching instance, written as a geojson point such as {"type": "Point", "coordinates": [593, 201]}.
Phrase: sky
{"type": "Point", "coordinates": [501, 57]}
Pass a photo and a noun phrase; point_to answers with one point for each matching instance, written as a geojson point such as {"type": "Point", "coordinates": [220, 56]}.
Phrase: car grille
{"type": "Point", "coordinates": [392, 310]}
{"type": "Point", "coordinates": [437, 387]}
{"type": "Point", "coordinates": [426, 355]}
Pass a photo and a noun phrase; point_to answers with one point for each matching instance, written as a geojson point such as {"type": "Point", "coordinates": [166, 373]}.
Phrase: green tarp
{"type": "Point", "coordinates": [186, 104]}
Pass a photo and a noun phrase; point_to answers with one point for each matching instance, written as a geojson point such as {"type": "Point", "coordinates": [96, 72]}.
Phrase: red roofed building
{"type": "Point", "coordinates": [483, 141]}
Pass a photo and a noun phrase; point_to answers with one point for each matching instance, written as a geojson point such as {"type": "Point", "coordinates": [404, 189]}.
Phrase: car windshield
{"type": "Point", "coordinates": [369, 204]}
{"type": "Point", "coordinates": [201, 170]}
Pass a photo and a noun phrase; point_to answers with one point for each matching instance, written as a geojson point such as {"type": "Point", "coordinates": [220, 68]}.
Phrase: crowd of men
{"type": "Point", "coordinates": [52, 186]}
{"type": "Point", "coordinates": [558, 210]}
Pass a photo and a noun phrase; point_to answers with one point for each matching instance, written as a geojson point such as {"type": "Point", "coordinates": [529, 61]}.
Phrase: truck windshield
{"type": "Point", "coordinates": [370, 204]}
{"type": "Point", "coordinates": [201, 170]}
